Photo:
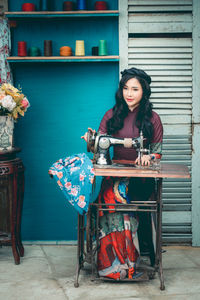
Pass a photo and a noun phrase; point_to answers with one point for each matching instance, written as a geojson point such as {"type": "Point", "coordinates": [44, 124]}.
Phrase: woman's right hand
{"type": "Point", "coordinates": [84, 137]}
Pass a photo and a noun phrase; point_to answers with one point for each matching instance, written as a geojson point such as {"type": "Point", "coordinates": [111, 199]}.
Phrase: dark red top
{"type": "Point", "coordinates": [131, 131]}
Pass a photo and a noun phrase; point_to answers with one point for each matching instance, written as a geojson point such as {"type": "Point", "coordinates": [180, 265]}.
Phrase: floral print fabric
{"type": "Point", "coordinates": [5, 46]}
{"type": "Point", "coordinates": [119, 247]}
{"type": "Point", "coordinates": [75, 175]}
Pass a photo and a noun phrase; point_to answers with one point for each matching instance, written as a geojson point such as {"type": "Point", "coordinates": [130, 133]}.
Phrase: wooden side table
{"type": "Point", "coordinates": [11, 201]}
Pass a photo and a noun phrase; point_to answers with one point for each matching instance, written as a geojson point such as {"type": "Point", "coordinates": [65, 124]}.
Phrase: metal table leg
{"type": "Point", "coordinates": [80, 248]}
{"type": "Point", "coordinates": [89, 235]}
{"type": "Point", "coordinates": [95, 249]}
{"type": "Point", "coordinates": [157, 226]}
{"type": "Point", "coordinates": [159, 234]}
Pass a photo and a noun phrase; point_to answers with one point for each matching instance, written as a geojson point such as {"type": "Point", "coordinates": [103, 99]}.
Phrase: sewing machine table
{"type": "Point", "coordinates": [154, 205]}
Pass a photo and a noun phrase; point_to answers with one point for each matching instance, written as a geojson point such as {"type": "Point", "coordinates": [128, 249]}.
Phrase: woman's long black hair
{"type": "Point", "coordinates": [120, 109]}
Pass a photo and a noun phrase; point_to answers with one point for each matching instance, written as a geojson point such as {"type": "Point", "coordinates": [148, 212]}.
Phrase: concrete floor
{"type": "Point", "coordinates": [47, 273]}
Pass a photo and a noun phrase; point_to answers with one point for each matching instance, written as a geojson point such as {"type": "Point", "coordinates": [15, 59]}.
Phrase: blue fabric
{"type": "Point", "coordinates": [123, 189]}
{"type": "Point", "coordinates": [75, 175]}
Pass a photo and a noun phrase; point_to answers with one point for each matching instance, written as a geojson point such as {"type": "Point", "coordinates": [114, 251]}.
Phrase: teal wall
{"type": "Point", "coordinates": [65, 99]}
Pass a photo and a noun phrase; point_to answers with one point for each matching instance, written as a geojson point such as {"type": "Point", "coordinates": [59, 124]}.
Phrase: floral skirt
{"type": "Point", "coordinates": [119, 244]}
{"type": "Point", "coordinates": [118, 251]}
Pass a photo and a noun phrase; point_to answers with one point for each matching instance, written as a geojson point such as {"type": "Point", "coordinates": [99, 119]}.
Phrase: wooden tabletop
{"type": "Point", "coordinates": [166, 171]}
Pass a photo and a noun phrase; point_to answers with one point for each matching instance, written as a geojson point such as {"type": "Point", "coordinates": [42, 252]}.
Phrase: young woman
{"type": "Point", "coordinates": [131, 114]}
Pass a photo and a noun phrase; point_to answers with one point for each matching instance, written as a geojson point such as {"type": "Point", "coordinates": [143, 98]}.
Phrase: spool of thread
{"type": "Point", "coordinates": [95, 51]}
{"type": "Point", "coordinates": [28, 7]}
{"type": "Point", "coordinates": [80, 48]}
{"type": "Point", "coordinates": [48, 48]}
{"type": "Point", "coordinates": [34, 51]}
{"type": "Point", "coordinates": [13, 24]}
{"type": "Point", "coordinates": [81, 4]}
{"type": "Point", "coordinates": [103, 47]}
{"type": "Point", "coordinates": [65, 51]}
{"type": "Point", "coordinates": [22, 49]}
{"type": "Point", "coordinates": [68, 5]}
{"type": "Point", "coordinates": [100, 5]}
{"type": "Point", "coordinates": [44, 5]}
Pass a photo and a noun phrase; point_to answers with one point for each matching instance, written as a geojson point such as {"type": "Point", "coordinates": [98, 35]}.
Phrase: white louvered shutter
{"type": "Point", "coordinates": [160, 43]}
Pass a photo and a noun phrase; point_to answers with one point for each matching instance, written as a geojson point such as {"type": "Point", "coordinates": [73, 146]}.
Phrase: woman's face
{"type": "Point", "coordinates": [132, 93]}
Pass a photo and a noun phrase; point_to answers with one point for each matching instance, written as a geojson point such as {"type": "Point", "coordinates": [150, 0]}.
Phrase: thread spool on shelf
{"type": "Point", "coordinates": [81, 4]}
{"type": "Point", "coordinates": [28, 7]}
{"type": "Point", "coordinates": [103, 51]}
{"type": "Point", "coordinates": [65, 51]}
{"type": "Point", "coordinates": [48, 48]}
{"type": "Point", "coordinates": [68, 5]}
{"type": "Point", "coordinates": [100, 5]}
{"type": "Point", "coordinates": [22, 48]}
{"type": "Point", "coordinates": [80, 48]}
{"type": "Point", "coordinates": [34, 51]}
{"type": "Point", "coordinates": [95, 51]}
{"type": "Point", "coordinates": [45, 5]}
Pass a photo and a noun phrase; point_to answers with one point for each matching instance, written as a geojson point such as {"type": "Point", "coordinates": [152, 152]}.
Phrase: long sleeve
{"type": "Point", "coordinates": [156, 143]}
{"type": "Point", "coordinates": [102, 127]}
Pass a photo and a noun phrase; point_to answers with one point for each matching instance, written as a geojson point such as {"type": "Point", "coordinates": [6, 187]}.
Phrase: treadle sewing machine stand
{"type": "Point", "coordinates": [87, 253]}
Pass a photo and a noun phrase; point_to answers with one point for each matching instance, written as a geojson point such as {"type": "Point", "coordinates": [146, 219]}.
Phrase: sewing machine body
{"type": "Point", "coordinates": [100, 144]}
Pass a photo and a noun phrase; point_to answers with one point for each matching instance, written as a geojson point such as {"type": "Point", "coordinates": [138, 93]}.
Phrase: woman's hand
{"type": "Point", "coordinates": [144, 161]}
{"type": "Point", "coordinates": [84, 137]}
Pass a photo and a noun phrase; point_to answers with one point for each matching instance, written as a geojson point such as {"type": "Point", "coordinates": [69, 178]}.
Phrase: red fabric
{"type": "Point", "coordinates": [118, 243]}
{"type": "Point", "coordinates": [107, 196]}
{"type": "Point", "coordinates": [157, 156]}
{"type": "Point", "coordinates": [131, 272]}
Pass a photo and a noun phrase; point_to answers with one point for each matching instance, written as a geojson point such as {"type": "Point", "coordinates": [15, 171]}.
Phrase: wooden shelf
{"type": "Point", "coordinates": [109, 58]}
{"type": "Point", "coordinates": [62, 14]}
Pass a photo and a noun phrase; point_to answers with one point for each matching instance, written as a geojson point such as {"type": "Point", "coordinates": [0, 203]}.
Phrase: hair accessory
{"type": "Point", "coordinates": [137, 72]}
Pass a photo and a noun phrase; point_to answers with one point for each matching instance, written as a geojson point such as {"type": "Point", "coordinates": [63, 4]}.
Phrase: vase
{"type": "Point", "coordinates": [6, 133]}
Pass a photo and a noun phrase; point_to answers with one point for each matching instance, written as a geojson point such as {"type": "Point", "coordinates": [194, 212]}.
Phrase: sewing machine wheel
{"type": "Point", "coordinates": [90, 141]}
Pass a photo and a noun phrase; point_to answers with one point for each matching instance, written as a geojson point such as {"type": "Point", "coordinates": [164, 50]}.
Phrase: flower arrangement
{"type": "Point", "coordinates": [12, 102]}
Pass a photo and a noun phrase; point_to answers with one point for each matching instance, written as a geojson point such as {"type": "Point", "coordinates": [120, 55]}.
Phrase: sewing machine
{"type": "Point", "coordinates": [100, 144]}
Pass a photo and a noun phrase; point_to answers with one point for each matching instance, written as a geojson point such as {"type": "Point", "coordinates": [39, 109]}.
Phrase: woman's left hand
{"type": "Point", "coordinates": [85, 136]}
{"type": "Point", "coordinates": [144, 161]}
